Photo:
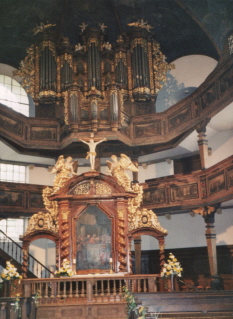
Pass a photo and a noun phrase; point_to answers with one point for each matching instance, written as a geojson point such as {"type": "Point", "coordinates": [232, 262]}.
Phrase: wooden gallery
{"type": "Point", "coordinates": [116, 160]}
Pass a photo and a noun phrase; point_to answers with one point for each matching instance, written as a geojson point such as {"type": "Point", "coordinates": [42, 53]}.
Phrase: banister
{"type": "Point", "coordinates": [29, 255]}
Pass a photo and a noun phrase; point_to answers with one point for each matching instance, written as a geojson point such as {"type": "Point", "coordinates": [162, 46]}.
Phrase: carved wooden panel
{"type": "Point", "coordinates": [180, 117]}
{"type": "Point", "coordinates": [184, 192]}
{"type": "Point", "coordinates": [146, 129]}
{"type": "Point", "coordinates": [154, 195]}
{"type": "Point", "coordinates": [43, 133]}
{"type": "Point", "coordinates": [11, 125]}
{"type": "Point", "coordinates": [12, 198]}
{"type": "Point", "coordinates": [230, 177]}
{"type": "Point", "coordinates": [216, 183]}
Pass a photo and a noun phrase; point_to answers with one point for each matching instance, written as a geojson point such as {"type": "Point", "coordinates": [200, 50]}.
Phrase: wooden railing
{"type": "Point", "coordinates": [89, 288]}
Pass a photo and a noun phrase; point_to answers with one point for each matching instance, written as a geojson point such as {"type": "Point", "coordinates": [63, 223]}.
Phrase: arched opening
{"type": "Point", "coordinates": [12, 94]}
{"type": "Point", "coordinates": [145, 251]}
{"type": "Point", "coordinates": [44, 250]}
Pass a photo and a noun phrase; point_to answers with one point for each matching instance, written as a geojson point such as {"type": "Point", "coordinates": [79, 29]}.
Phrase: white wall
{"type": "Point", "coordinates": [185, 231]}
{"type": "Point", "coordinates": [222, 147]}
{"type": "Point", "coordinates": [44, 251]}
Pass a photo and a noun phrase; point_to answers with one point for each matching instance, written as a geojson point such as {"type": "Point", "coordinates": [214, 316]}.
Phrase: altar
{"type": "Point", "coordinates": [93, 218]}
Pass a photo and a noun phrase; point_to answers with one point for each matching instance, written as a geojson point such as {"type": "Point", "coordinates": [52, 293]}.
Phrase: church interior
{"type": "Point", "coordinates": [116, 159]}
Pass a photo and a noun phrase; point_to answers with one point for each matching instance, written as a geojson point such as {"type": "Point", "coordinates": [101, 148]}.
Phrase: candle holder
{"type": "Point", "coordinates": [111, 270]}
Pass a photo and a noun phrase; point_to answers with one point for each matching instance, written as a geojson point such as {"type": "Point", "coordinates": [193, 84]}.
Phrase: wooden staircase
{"type": "Point", "coordinates": [12, 251]}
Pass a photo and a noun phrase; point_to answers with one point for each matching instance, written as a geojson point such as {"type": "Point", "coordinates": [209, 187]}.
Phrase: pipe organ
{"type": "Point", "coordinates": [94, 85]}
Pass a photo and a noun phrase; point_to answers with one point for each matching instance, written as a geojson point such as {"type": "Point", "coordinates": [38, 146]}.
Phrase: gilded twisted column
{"type": "Point", "coordinates": [161, 252]}
{"type": "Point", "coordinates": [65, 249]}
{"type": "Point", "coordinates": [121, 241]}
{"type": "Point", "coordinates": [25, 263]}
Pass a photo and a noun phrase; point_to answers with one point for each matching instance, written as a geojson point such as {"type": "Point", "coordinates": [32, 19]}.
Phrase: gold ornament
{"type": "Point", "coordinates": [118, 168]}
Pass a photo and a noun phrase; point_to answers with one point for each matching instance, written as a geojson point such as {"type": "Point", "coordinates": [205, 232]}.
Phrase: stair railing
{"type": "Point", "coordinates": [15, 251]}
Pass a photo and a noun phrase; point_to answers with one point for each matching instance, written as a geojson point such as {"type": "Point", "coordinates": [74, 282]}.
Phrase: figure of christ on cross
{"type": "Point", "coordinates": [92, 146]}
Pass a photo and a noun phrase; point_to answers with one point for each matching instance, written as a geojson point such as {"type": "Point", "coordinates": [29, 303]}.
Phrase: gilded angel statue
{"type": "Point", "coordinates": [118, 168]}
{"type": "Point", "coordinates": [42, 27]}
{"type": "Point", "coordinates": [65, 169]}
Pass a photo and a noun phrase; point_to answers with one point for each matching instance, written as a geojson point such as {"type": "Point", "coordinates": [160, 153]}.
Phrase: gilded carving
{"type": "Point", "coordinates": [37, 81]}
{"type": "Point", "coordinates": [58, 74]}
{"type": "Point", "coordinates": [204, 211]}
{"type": "Point", "coordinates": [118, 168]}
{"type": "Point", "coordinates": [67, 57]}
{"type": "Point", "coordinates": [146, 218]}
{"type": "Point", "coordinates": [103, 188]}
{"type": "Point", "coordinates": [41, 221]}
{"type": "Point", "coordinates": [150, 68]}
{"type": "Point", "coordinates": [64, 170]}
{"type": "Point", "coordinates": [139, 41]}
{"type": "Point", "coordinates": [83, 188]}
{"type": "Point", "coordinates": [93, 40]}
{"type": "Point", "coordinates": [65, 215]}
{"type": "Point", "coordinates": [49, 44]}
{"type": "Point", "coordinates": [47, 93]}
{"type": "Point", "coordinates": [42, 27]}
{"type": "Point", "coordinates": [66, 107]}
{"type": "Point", "coordinates": [51, 206]}
{"type": "Point", "coordinates": [120, 56]}
{"type": "Point", "coordinates": [27, 71]}
{"type": "Point", "coordinates": [121, 242]}
{"type": "Point", "coordinates": [121, 100]}
{"type": "Point", "coordinates": [160, 67]}
{"type": "Point", "coordinates": [141, 24]}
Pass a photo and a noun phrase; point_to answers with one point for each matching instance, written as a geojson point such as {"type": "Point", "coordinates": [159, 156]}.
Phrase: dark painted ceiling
{"type": "Point", "coordinates": [182, 27]}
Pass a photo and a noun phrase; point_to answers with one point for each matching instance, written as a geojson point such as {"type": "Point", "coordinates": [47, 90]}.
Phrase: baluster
{"type": "Point", "coordinates": [144, 285]}
{"type": "Point", "coordinates": [102, 288]}
{"type": "Point", "coordinates": [52, 289]}
{"type": "Point", "coordinates": [96, 289]}
{"type": "Point", "coordinates": [46, 290]}
{"type": "Point", "coordinates": [71, 294]}
{"type": "Point", "coordinates": [139, 285]}
{"type": "Point", "coordinates": [108, 288]}
{"type": "Point", "coordinates": [114, 287]}
{"type": "Point", "coordinates": [59, 289]}
{"type": "Point", "coordinates": [132, 284]}
{"type": "Point", "coordinates": [76, 290]}
{"type": "Point", "coordinates": [83, 290]}
{"type": "Point", "coordinates": [64, 290]}
{"type": "Point", "coordinates": [40, 291]}
{"type": "Point", "coordinates": [120, 288]}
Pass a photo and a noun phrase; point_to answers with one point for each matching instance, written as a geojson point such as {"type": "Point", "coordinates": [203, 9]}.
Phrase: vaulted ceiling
{"type": "Point", "coordinates": [182, 27]}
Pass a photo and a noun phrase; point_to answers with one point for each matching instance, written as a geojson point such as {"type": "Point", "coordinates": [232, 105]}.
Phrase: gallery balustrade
{"type": "Point", "coordinates": [88, 288]}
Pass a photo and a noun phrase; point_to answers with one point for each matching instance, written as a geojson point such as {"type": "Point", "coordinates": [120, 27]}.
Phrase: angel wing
{"type": "Point", "coordinates": [75, 166]}
{"type": "Point", "coordinates": [126, 163]}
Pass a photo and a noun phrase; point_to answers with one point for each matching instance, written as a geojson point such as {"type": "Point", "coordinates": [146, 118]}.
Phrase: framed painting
{"type": "Point", "coordinates": [93, 240]}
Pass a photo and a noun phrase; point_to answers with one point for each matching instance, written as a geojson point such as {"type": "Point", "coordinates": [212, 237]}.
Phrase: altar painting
{"type": "Point", "coordinates": [93, 240]}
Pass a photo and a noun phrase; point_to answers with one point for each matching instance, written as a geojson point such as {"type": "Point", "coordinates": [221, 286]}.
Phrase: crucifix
{"type": "Point", "coordinates": [92, 146]}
